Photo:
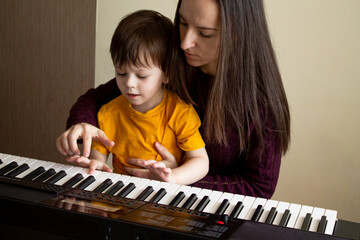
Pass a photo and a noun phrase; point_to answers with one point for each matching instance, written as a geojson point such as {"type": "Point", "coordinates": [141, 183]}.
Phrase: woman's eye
{"type": "Point", "coordinates": [205, 35]}
{"type": "Point", "coordinates": [183, 23]}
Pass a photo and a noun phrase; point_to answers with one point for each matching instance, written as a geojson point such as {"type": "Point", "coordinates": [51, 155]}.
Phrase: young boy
{"type": "Point", "coordinates": [146, 64]}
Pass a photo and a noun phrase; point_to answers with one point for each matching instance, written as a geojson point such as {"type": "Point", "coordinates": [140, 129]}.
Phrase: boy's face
{"type": "Point", "coordinates": [141, 85]}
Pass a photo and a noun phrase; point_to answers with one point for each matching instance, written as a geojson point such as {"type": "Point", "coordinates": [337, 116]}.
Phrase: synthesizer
{"type": "Point", "coordinates": [65, 201]}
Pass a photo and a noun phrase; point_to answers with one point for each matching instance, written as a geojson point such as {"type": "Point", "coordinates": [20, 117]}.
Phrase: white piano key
{"type": "Point", "coordinates": [233, 201]}
{"type": "Point", "coordinates": [100, 178]}
{"type": "Point", "coordinates": [171, 192]}
{"type": "Point", "coordinates": [29, 162]}
{"type": "Point", "coordinates": [182, 188]}
{"type": "Point", "coordinates": [281, 207]}
{"type": "Point", "coordinates": [70, 173]}
{"type": "Point", "coordinates": [139, 187]}
{"type": "Point", "coordinates": [8, 160]}
{"type": "Point", "coordinates": [224, 196]}
{"type": "Point", "coordinates": [214, 196]}
{"type": "Point", "coordinates": [57, 166]}
{"type": "Point", "coordinates": [85, 173]}
{"type": "Point", "coordinates": [66, 167]}
{"type": "Point", "coordinates": [119, 177]}
{"type": "Point", "coordinates": [21, 160]}
{"type": "Point", "coordinates": [294, 211]}
{"type": "Point", "coordinates": [257, 202]}
{"type": "Point", "coordinates": [4, 158]}
{"type": "Point", "coordinates": [248, 202]}
{"type": "Point", "coordinates": [267, 208]}
{"type": "Point", "coordinates": [204, 192]}
{"type": "Point", "coordinates": [127, 180]}
{"type": "Point", "coordinates": [157, 187]}
{"type": "Point", "coordinates": [303, 211]}
{"type": "Point", "coordinates": [316, 216]}
{"type": "Point", "coordinates": [191, 191]}
{"type": "Point", "coordinates": [45, 165]}
{"type": "Point", "coordinates": [116, 177]}
{"type": "Point", "coordinates": [331, 217]}
{"type": "Point", "coordinates": [151, 183]}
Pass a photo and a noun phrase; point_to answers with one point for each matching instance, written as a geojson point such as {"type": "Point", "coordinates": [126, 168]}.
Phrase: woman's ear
{"type": "Point", "coordinates": [166, 80]}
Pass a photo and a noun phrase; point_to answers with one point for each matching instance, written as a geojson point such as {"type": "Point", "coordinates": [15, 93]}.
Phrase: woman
{"type": "Point", "coordinates": [236, 87]}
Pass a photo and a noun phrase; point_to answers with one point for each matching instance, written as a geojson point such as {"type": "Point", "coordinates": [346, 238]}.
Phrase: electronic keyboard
{"type": "Point", "coordinates": [66, 201]}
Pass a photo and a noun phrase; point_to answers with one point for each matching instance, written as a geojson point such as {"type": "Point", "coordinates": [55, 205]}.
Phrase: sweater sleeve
{"type": "Point", "coordinates": [86, 107]}
{"type": "Point", "coordinates": [244, 174]}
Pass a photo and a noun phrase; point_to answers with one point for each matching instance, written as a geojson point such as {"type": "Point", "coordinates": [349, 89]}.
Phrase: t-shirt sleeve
{"type": "Point", "coordinates": [187, 130]}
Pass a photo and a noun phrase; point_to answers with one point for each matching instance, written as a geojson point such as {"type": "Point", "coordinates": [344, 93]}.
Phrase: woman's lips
{"type": "Point", "coordinates": [189, 55]}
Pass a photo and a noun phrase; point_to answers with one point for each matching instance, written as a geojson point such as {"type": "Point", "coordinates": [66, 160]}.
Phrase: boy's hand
{"type": "Point", "coordinates": [143, 172]}
{"type": "Point", "coordinates": [67, 144]}
{"type": "Point", "coordinates": [92, 164]}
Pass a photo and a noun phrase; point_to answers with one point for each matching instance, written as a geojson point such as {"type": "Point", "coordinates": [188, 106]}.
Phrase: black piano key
{"type": "Point", "coordinates": [86, 182]}
{"type": "Point", "coordinates": [34, 173]}
{"type": "Point", "coordinates": [18, 170]}
{"type": "Point", "coordinates": [56, 177]}
{"type": "Point", "coordinates": [177, 199]}
{"type": "Point", "coordinates": [285, 218]}
{"type": "Point", "coordinates": [190, 201]}
{"type": "Point", "coordinates": [114, 188]}
{"type": "Point", "coordinates": [104, 185]}
{"type": "Point", "coordinates": [272, 214]}
{"type": "Point", "coordinates": [322, 225]}
{"type": "Point", "coordinates": [259, 210]}
{"type": "Point", "coordinates": [202, 204]}
{"type": "Point", "coordinates": [237, 209]}
{"type": "Point", "coordinates": [158, 196]}
{"type": "Point", "coordinates": [74, 180]}
{"type": "Point", "coordinates": [144, 194]}
{"type": "Point", "coordinates": [223, 206]}
{"type": "Point", "coordinates": [126, 190]}
{"type": "Point", "coordinates": [45, 175]}
{"type": "Point", "coordinates": [8, 168]}
{"type": "Point", "coordinates": [1, 161]}
{"type": "Point", "coordinates": [307, 221]}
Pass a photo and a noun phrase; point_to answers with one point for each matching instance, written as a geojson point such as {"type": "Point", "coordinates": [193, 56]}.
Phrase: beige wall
{"type": "Point", "coordinates": [317, 43]}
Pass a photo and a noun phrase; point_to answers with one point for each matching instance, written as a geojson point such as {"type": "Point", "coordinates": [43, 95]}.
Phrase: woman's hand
{"type": "Point", "coordinates": [67, 144]}
{"type": "Point", "coordinates": [146, 165]}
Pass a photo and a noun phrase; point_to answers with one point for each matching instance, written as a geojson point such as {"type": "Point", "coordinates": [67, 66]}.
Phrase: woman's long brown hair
{"type": "Point", "coordinates": [247, 86]}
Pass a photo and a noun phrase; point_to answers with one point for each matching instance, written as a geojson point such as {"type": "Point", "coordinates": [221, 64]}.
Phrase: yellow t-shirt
{"type": "Point", "coordinates": [173, 123]}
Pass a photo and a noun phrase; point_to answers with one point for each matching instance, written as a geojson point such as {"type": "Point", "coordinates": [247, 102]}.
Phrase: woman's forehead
{"type": "Point", "coordinates": [201, 13]}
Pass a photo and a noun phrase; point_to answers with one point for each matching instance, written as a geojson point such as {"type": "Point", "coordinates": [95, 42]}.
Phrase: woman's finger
{"type": "Point", "coordinates": [75, 133]}
{"type": "Point", "coordinates": [59, 146]}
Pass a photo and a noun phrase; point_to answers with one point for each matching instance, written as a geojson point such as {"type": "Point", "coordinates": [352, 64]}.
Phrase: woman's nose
{"type": "Point", "coordinates": [188, 39]}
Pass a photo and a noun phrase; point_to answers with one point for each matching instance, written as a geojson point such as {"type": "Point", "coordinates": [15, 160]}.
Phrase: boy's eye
{"type": "Point", "coordinates": [120, 74]}
{"type": "Point", "coordinates": [141, 77]}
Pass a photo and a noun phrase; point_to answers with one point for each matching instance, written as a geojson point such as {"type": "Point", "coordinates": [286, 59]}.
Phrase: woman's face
{"type": "Point", "coordinates": [200, 33]}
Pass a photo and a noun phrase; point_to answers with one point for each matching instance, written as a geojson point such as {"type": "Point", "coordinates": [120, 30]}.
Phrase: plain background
{"type": "Point", "coordinates": [317, 45]}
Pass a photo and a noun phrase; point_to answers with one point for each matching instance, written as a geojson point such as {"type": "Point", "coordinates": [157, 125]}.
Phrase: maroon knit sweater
{"type": "Point", "coordinates": [229, 170]}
